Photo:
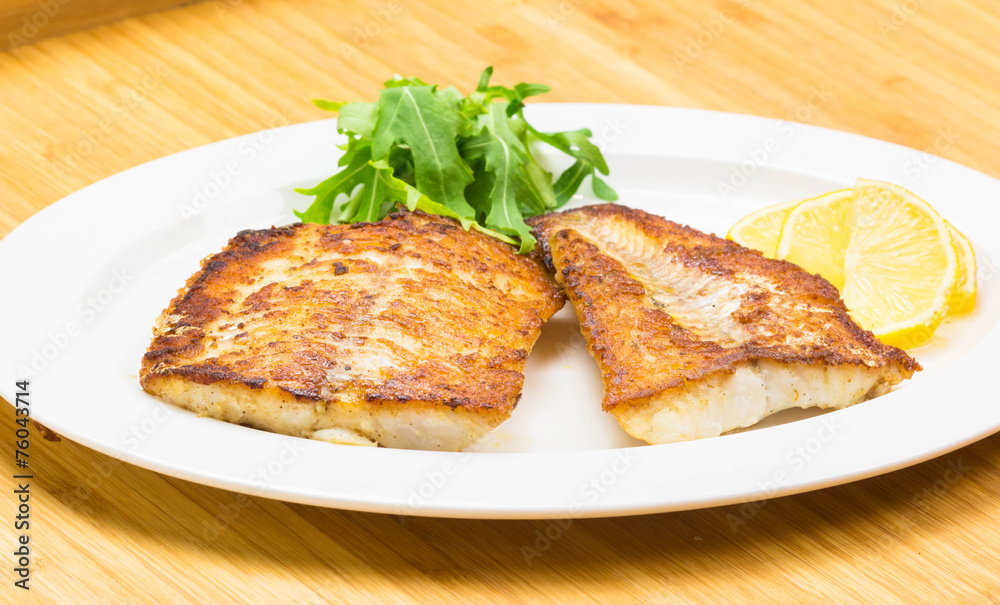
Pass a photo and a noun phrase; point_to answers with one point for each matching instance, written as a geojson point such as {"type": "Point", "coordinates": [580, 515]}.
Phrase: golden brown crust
{"type": "Point", "coordinates": [409, 309]}
{"type": "Point", "coordinates": [662, 304]}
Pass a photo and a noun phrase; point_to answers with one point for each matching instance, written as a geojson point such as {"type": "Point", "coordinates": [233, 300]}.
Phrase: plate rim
{"type": "Point", "coordinates": [509, 509]}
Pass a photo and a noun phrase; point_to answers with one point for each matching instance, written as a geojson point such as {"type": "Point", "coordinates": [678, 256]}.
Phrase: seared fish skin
{"type": "Point", "coordinates": [697, 335]}
{"type": "Point", "coordinates": [410, 332]}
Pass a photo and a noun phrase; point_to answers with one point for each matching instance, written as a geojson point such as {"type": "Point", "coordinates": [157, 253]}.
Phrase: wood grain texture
{"type": "Point", "coordinates": [26, 21]}
{"type": "Point", "coordinates": [84, 106]}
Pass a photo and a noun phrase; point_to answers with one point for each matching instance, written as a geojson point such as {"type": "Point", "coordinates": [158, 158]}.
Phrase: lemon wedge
{"type": "Point", "coordinates": [963, 297]}
{"type": "Point", "coordinates": [760, 230]}
{"type": "Point", "coordinates": [816, 233]}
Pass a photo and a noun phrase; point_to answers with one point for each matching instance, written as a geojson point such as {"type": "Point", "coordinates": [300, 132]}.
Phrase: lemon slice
{"type": "Point", "coordinates": [963, 298]}
{"type": "Point", "coordinates": [760, 230]}
{"type": "Point", "coordinates": [816, 233]}
{"type": "Point", "coordinates": [900, 265]}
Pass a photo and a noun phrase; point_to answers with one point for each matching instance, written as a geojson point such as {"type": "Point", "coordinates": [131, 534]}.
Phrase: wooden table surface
{"type": "Point", "coordinates": [81, 107]}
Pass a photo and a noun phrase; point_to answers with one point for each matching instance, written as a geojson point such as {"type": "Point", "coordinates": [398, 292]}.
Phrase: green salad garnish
{"type": "Point", "coordinates": [467, 158]}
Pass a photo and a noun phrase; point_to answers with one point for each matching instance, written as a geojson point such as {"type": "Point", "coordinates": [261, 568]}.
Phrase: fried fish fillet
{"type": "Point", "coordinates": [410, 332]}
{"type": "Point", "coordinates": [697, 336]}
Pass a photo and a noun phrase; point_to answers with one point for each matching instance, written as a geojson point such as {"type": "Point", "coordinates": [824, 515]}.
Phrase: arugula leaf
{"type": "Point", "coordinates": [602, 190]}
{"type": "Point", "coordinates": [484, 79]}
{"type": "Point", "coordinates": [538, 188]}
{"type": "Point", "coordinates": [505, 156]}
{"type": "Point", "coordinates": [577, 144]}
{"type": "Point", "coordinates": [449, 96]}
{"type": "Point", "coordinates": [415, 117]}
{"type": "Point", "coordinates": [398, 80]}
{"type": "Point", "coordinates": [465, 157]}
{"type": "Point", "coordinates": [413, 199]}
{"type": "Point", "coordinates": [569, 181]}
{"type": "Point", "coordinates": [328, 105]}
{"type": "Point", "coordinates": [478, 193]}
{"type": "Point", "coordinates": [589, 158]}
{"type": "Point", "coordinates": [371, 195]}
{"type": "Point", "coordinates": [341, 183]}
{"type": "Point", "coordinates": [357, 118]}
{"type": "Point", "coordinates": [527, 89]}
{"type": "Point", "coordinates": [514, 95]}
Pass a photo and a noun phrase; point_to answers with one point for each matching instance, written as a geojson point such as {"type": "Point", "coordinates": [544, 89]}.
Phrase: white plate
{"type": "Point", "coordinates": [84, 279]}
